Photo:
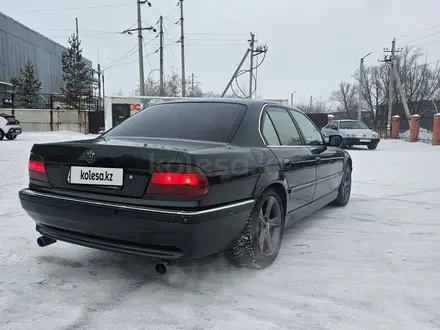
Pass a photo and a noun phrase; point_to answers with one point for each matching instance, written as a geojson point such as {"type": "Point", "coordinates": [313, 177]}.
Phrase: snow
{"type": "Point", "coordinates": [374, 264]}
{"type": "Point", "coordinates": [424, 135]}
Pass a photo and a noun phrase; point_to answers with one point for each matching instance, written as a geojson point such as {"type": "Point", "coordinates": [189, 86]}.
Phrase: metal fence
{"type": "Point", "coordinates": [50, 101]}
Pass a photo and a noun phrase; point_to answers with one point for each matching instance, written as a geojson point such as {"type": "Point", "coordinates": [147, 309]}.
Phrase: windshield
{"type": "Point", "coordinates": [203, 121]}
{"type": "Point", "coordinates": [354, 124]}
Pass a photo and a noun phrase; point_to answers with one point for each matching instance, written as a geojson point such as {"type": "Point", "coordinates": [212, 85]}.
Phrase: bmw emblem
{"type": "Point", "coordinates": [90, 156]}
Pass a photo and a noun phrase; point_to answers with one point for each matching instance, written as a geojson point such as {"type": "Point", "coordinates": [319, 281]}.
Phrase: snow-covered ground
{"type": "Point", "coordinates": [374, 264]}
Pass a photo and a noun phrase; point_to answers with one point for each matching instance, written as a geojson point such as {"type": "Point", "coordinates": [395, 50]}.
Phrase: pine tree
{"type": "Point", "coordinates": [28, 85]}
{"type": "Point", "coordinates": [76, 76]}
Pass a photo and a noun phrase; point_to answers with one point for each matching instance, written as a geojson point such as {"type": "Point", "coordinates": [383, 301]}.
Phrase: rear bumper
{"type": "Point", "coordinates": [154, 233]}
{"type": "Point", "coordinates": [359, 141]}
{"type": "Point", "coordinates": [14, 130]}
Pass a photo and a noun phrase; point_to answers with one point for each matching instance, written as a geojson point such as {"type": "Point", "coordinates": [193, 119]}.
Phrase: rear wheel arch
{"type": "Point", "coordinates": [279, 188]}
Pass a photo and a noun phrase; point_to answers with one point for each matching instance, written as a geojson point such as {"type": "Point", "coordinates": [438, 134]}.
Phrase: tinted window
{"type": "Point", "coordinates": [309, 130]}
{"type": "Point", "coordinates": [355, 124]}
{"type": "Point", "coordinates": [284, 126]}
{"type": "Point", "coordinates": [269, 132]}
{"type": "Point", "coordinates": [187, 120]}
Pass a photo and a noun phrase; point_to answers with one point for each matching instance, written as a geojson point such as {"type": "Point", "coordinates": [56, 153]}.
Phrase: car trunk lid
{"type": "Point", "coordinates": [110, 166]}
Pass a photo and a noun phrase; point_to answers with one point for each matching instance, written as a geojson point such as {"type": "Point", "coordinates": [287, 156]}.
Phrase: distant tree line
{"type": "Point", "coordinates": [420, 80]}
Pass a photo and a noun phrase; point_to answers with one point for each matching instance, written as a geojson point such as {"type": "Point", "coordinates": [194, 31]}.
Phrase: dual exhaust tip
{"type": "Point", "coordinates": [161, 267]}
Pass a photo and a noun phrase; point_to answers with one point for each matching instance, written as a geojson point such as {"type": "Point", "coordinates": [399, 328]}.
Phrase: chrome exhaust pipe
{"type": "Point", "coordinates": [43, 241]}
{"type": "Point", "coordinates": [162, 267]}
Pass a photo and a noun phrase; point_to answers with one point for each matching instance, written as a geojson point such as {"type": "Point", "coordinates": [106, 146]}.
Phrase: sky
{"type": "Point", "coordinates": [312, 45]}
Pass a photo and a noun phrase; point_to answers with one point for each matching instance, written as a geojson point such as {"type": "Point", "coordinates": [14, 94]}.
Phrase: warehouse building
{"type": "Point", "coordinates": [18, 43]}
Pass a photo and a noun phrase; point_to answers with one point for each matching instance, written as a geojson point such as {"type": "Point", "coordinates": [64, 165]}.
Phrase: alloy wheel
{"type": "Point", "coordinates": [269, 226]}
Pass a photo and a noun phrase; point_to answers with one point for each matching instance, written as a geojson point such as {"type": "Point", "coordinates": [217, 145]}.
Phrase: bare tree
{"type": "Point", "coordinates": [304, 107]}
{"type": "Point", "coordinates": [173, 85]}
{"type": "Point", "coordinates": [375, 89]}
{"type": "Point", "coordinates": [420, 80]}
{"type": "Point", "coordinates": [346, 96]}
{"type": "Point", "coordinates": [320, 106]}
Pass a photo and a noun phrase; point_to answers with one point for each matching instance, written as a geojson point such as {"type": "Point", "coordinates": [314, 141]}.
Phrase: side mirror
{"type": "Point", "coordinates": [335, 140]}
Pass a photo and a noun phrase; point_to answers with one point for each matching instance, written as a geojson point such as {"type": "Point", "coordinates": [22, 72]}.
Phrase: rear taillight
{"type": "Point", "coordinates": [12, 122]}
{"type": "Point", "coordinates": [37, 170]}
{"type": "Point", "coordinates": [178, 180]}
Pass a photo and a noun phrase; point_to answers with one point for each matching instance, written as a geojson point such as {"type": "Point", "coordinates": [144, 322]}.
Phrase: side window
{"type": "Point", "coordinates": [309, 130]}
{"type": "Point", "coordinates": [284, 126]}
{"type": "Point", "coordinates": [269, 133]}
{"type": "Point", "coordinates": [334, 125]}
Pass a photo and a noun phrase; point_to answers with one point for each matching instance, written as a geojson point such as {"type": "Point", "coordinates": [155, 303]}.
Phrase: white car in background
{"type": "Point", "coordinates": [353, 132]}
{"type": "Point", "coordinates": [9, 127]}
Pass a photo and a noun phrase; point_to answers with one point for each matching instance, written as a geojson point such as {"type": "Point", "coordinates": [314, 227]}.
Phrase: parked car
{"type": "Point", "coordinates": [186, 179]}
{"type": "Point", "coordinates": [354, 133]}
{"type": "Point", "coordinates": [9, 127]}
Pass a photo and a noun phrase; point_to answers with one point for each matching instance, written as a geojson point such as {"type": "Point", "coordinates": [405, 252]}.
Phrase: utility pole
{"type": "Point", "coordinates": [161, 56]}
{"type": "Point", "coordinates": [236, 72]}
{"type": "Point", "coordinates": [361, 86]}
{"type": "Point", "coordinates": [390, 59]}
{"type": "Point", "coordinates": [192, 84]}
{"type": "Point", "coordinates": [99, 80]}
{"type": "Point", "coordinates": [251, 69]}
{"type": "Point", "coordinates": [77, 30]}
{"type": "Point", "coordinates": [291, 98]}
{"type": "Point", "coordinates": [260, 50]}
{"type": "Point", "coordinates": [390, 86]}
{"type": "Point", "coordinates": [402, 92]}
{"type": "Point", "coordinates": [139, 30]}
{"type": "Point", "coordinates": [141, 51]}
{"type": "Point", "coordinates": [103, 86]}
{"type": "Point", "coordinates": [182, 47]}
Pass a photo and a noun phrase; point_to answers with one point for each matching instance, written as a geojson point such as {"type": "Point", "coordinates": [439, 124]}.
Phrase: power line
{"type": "Point", "coordinates": [127, 54]}
{"type": "Point", "coordinates": [429, 42]}
{"type": "Point", "coordinates": [219, 33]}
{"type": "Point", "coordinates": [148, 55]}
{"type": "Point", "coordinates": [423, 30]}
{"type": "Point", "coordinates": [165, 28]}
{"type": "Point", "coordinates": [74, 8]}
{"type": "Point", "coordinates": [166, 17]}
{"type": "Point", "coordinates": [119, 65]}
{"type": "Point", "coordinates": [422, 38]}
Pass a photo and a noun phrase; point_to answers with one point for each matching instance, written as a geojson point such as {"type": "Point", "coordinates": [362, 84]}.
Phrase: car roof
{"type": "Point", "coordinates": [348, 120]}
{"type": "Point", "coordinates": [250, 103]}
{"type": "Point", "coordinates": [218, 100]}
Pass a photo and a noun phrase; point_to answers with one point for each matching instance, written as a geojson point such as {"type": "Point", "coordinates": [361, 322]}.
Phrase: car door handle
{"type": "Point", "coordinates": [287, 161]}
{"type": "Point", "coordinates": [318, 160]}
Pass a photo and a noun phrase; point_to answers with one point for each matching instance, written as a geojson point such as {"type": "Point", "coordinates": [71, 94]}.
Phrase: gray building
{"type": "Point", "coordinates": [18, 43]}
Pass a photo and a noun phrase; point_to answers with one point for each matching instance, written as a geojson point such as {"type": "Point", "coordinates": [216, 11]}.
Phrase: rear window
{"type": "Point", "coordinates": [210, 121]}
{"type": "Point", "coordinates": [352, 125]}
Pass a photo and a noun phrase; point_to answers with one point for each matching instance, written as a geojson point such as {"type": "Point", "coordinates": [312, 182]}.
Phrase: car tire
{"type": "Point", "coordinates": [11, 137]}
{"type": "Point", "coordinates": [254, 248]}
{"type": "Point", "coordinates": [344, 190]}
{"type": "Point", "coordinates": [2, 135]}
{"type": "Point", "coordinates": [372, 146]}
